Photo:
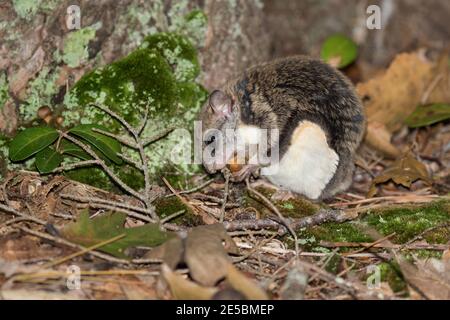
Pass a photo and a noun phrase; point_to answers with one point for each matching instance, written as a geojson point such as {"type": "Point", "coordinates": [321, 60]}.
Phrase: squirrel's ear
{"type": "Point", "coordinates": [220, 103]}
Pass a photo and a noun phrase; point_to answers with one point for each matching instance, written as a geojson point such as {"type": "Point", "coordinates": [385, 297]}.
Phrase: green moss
{"type": "Point", "coordinates": [335, 232]}
{"type": "Point", "coordinates": [166, 206]}
{"type": "Point", "coordinates": [3, 90]}
{"type": "Point", "coordinates": [90, 175]}
{"type": "Point", "coordinates": [390, 273]}
{"type": "Point", "coordinates": [408, 222]}
{"type": "Point", "coordinates": [127, 86]}
{"type": "Point", "coordinates": [75, 51]}
{"type": "Point", "coordinates": [179, 53]}
{"type": "Point", "coordinates": [296, 207]}
{"type": "Point", "coordinates": [160, 76]}
{"type": "Point", "coordinates": [26, 9]}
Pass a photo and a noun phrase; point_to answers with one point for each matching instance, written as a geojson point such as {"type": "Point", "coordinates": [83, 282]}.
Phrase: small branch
{"type": "Point", "coordinates": [322, 216]}
{"type": "Point", "coordinates": [117, 117]}
{"type": "Point", "coordinates": [143, 122]}
{"type": "Point", "coordinates": [193, 189]}
{"type": "Point", "coordinates": [22, 215]}
{"type": "Point", "coordinates": [283, 221]}
{"type": "Point", "coordinates": [122, 140]}
{"type": "Point", "coordinates": [365, 245]}
{"type": "Point", "coordinates": [128, 160]}
{"type": "Point", "coordinates": [103, 201]}
{"type": "Point", "coordinates": [84, 251]}
{"type": "Point", "coordinates": [157, 136]}
{"type": "Point", "coordinates": [73, 245]}
{"type": "Point", "coordinates": [101, 163]}
{"type": "Point", "coordinates": [75, 165]}
{"type": "Point", "coordinates": [172, 216]}
{"type": "Point", "coordinates": [227, 175]}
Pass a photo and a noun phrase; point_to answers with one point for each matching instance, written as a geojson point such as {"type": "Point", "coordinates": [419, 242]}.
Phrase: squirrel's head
{"type": "Point", "coordinates": [219, 118]}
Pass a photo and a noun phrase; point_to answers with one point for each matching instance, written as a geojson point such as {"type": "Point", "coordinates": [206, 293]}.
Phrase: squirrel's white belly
{"type": "Point", "coordinates": [308, 165]}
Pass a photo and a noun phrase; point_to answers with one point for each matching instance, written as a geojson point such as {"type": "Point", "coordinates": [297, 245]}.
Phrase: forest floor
{"type": "Point", "coordinates": [393, 245]}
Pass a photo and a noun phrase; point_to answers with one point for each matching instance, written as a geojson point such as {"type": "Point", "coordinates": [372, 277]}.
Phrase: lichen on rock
{"type": "Point", "coordinates": [75, 51]}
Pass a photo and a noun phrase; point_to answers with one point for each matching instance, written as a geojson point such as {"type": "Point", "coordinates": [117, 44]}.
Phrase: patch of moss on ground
{"type": "Point", "coordinates": [390, 273]}
{"type": "Point", "coordinates": [167, 206]}
{"type": "Point", "coordinates": [90, 175]}
{"type": "Point", "coordinates": [408, 222]}
{"type": "Point", "coordinates": [293, 208]}
{"type": "Point", "coordinates": [333, 232]}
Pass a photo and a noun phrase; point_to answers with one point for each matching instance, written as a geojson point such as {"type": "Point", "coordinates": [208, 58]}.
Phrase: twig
{"type": "Point", "coordinates": [417, 246]}
{"type": "Point", "coordinates": [22, 215]}
{"type": "Point", "coordinates": [79, 253]}
{"type": "Point", "coordinates": [374, 243]}
{"type": "Point", "coordinates": [101, 163]}
{"type": "Point", "coordinates": [227, 174]}
{"type": "Point", "coordinates": [192, 190]}
{"type": "Point", "coordinates": [73, 245]}
{"type": "Point", "coordinates": [71, 166]}
{"type": "Point", "coordinates": [419, 236]}
{"type": "Point", "coordinates": [104, 201]}
{"type": "Point", "coordinates": [285, 222]}
{"type": "Point", "coordinates": [172, 216]}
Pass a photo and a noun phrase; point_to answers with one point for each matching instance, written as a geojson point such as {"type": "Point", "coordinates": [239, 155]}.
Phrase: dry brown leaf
{"type": "Point", "coordinates": [431, 277]}
{"type": "Point", "coordinates": [204, 250]}
{"type": "Point", "coordinates": [392, 96]}
{"type": "Point", "coordinates": [183, 289]}
{"type": "Point", "coordinates": [206, 253]}
{"type": "Point", "coordinates": [404, 172]}
{"type": "Point", "coordinates": [171, 252]}
{"type": "Point", "coordinates": [245, 285]}
{"type": "Point", "coordinates": [139, 290]}
{"type": "Point", "coordinates": [380, 138]}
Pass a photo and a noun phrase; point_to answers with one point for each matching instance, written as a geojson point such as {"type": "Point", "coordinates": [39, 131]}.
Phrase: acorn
{"type": "Point", "coordinates": [233, 165]}
{"type": "Point", "coordinates": [59, 120]}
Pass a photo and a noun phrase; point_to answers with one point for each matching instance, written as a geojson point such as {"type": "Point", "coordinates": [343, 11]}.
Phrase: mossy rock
{"type": "Point", "coordinates": [159, 76]}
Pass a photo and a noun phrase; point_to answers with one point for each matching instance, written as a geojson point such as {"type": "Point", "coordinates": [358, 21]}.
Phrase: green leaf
{"type": "Point", "coordinates": [31, 141]}
{"type": "Point", "coordinates": [89, 232]}
{"type": "Point", "coordinates": [47, 160]}
{"type": "Point", "coordinates": [67, 147]}
{"type": "Point", "coordinates": [428, 114]}
{"type": "Point", "coordinates": [339, 50]}
{"type": "Point", "coordinates": [107, 145]}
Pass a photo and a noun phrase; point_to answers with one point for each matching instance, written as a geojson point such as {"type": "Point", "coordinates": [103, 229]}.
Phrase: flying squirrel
{"type": "Point", "coordinates": [316, 112]}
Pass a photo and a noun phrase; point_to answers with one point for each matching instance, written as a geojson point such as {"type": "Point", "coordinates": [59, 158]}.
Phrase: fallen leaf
{"type": "Point", "coordinates": [206, 253]}
{"type": "Point", "coordinates": [89, 232]}
{"type": "Point", "coordinates": [380, 138]}
{"type": "Point", "coordinates": [431, 277]}
{"type": "Point", "coordinates": [245, 285]}
{"type": "Point", "coordinates": [183, 289]}
{"type": "Point", "coordinates": [339, 51]}
{"type": "Point", "coordinates": [428, 114]}
{"type": "Point", "coordinates": [392, 96]}
{"type": "Point", "coordinates": [171, 252]}
{"type": "Point", "coordinates": [404, 172]}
